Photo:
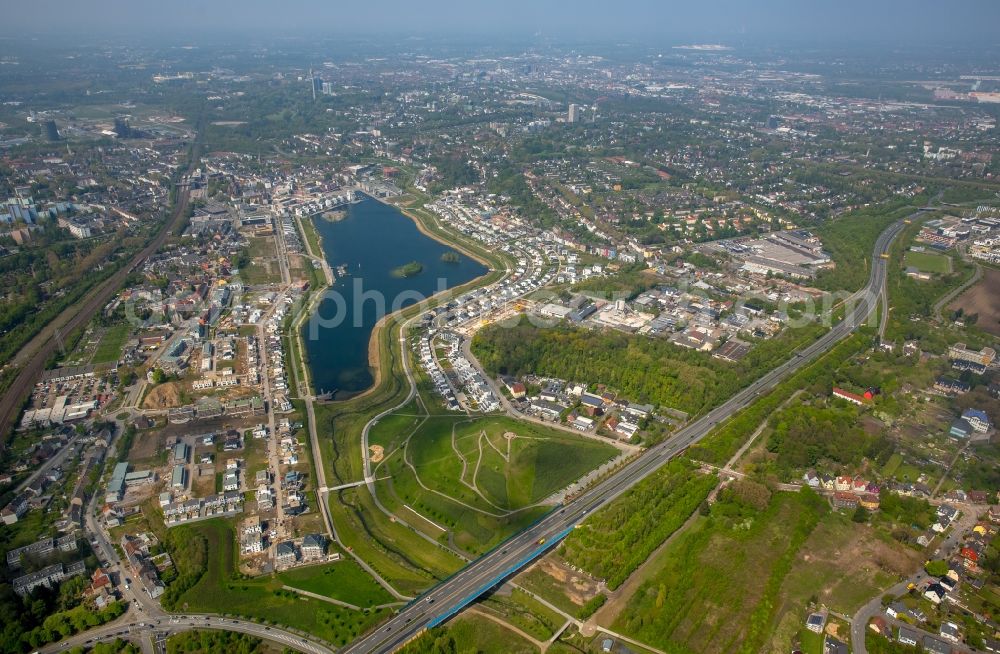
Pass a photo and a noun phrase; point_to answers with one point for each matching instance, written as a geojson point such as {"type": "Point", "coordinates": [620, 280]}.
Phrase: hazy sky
{"type": "Point", "coordinates": [953, 21]}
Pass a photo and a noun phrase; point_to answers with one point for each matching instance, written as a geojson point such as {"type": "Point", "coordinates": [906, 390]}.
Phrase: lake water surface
{"type": "Point", "coordinates": [372, 241]}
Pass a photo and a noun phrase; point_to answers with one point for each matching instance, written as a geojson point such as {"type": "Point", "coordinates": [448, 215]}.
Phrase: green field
{"type": "Point", "coordinates": [466, 476]}
{"type": "Point", "coordinates": [261, 272]}
{"type": "Point", "coordinates": [344, 580]}
{"type": "Point", "coordinates": [112, 342]}
{"type": "Point", "coordinates": [928, 262]}
{"type": "Point", "coordinates": [311, 236]}
{"type": "Point", "coordinates": [892, 465]}
{"type": "Point", "coordinates": [219, 590]}
{"type": "Point", "coordinates": [715, 587]}
{"type": "Point", "coordinates": [470, 633]}
{"type": "Point", "coordinates": [618, 538]}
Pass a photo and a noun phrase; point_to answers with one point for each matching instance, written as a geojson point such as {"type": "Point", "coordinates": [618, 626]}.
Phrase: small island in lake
{"type": "Point", "coordinates": [408, 270]}
{"type": "Point", "coordinates": [334, 216]}
{"type": "Point", "coordinates": [450, 257]}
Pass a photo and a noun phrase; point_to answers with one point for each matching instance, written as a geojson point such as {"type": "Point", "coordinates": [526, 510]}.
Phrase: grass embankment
{"type": "Point", "coordinates": [312, 239]}
{"type": "Point", "coordinates": [220, 589]}
{"type": "Point", "coordinates": [509, 467]}
{"type": "Point", "coordinates": [344, 580]}
{"type": "Point", "coordinates": [470, 633]}
{"type": "Point", "coordinates": [524, 612]}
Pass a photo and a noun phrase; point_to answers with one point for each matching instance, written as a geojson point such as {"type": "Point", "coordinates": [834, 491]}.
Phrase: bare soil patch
{"type": "Point", "coordinates": [983, 299]}
{"type": "Point", "coordinates": [578, 588]}
{"type": "Point", "coordinates": [164, 396]}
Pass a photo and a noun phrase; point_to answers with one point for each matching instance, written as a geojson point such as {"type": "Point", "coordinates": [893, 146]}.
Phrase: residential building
{"type": "Point", "coordinates": [908, 636]}
{"type": "Point", "coordinates": [960, 352]}
{"type": "Point", "coordinates": [313, 546]}
{"type": "Point", "coordinates": [178, 478]}
{"type": "Point", "coordinates": [843, 500]}
{"type": "Point", "coordinates": [116, 485]}
{"type": "Point", "coordinates": [815, 622]}
{"type": "Point", "coordinates": [935, 593]}
{"type": "Point", "coordinates": [285, 553]}
{"type": "Point", "coordinates": [950, 631]}
{"type": "Point", "coordinates": [977, 419]}
{"type": "Point", "coordinates": [15, 509]}
{"type": "Point", "coordinates": [231, 482]}
{"type": "Point", "coordinates": [50, 576]}
{"type": "Point", "coordinates": [853, 398]}
{"type": "Point", "coordinates": [960, 428]}
{"type": "Point", "coordinates": [935, 646]}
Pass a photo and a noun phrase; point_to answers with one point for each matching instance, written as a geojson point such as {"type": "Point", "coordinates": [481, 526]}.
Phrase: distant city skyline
{"type": "Point", "coordinates": [874, 21]}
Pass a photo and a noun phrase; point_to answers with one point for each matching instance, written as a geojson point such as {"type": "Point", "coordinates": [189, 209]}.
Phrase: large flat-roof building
{"type": "Point", "coordinates": [983, 357]}
{"type": "Point", "coordinates": [178, 478]}
{"type": "Point", "coordinates": [116, 485]}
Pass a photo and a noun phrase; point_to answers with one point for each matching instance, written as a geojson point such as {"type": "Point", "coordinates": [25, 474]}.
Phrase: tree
{"type": "Point", "coordinates": [936, 568]}
{"type": "Point", "coordinates": [860, 515]}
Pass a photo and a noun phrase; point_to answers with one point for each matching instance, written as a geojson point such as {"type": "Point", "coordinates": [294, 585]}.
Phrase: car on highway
{"type": "Point", "coordinates": [541, 541]}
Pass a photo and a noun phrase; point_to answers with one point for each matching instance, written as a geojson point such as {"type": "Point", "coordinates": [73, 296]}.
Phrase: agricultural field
{"type": "Point", "coordinates": [928, 262]}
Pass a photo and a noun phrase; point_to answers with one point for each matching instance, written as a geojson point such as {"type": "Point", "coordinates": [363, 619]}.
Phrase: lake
{"type": "Point", "coordinates": [374, 241]}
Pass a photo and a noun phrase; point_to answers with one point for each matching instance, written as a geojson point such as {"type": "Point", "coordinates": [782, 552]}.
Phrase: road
{"type": "Point", "coordinates": [947, 547]}
{"type": "Point", "coordinates": [453, 594]}
{"type": "Point", "coordinates": [145, 617]}
{"type": "Point", "coordinates": [139, 629]}
{"type": "Point", "coordinates": [50, 463]}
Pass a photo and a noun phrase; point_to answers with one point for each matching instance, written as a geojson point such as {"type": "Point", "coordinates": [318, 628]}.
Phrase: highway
{"type": "Point", "coordinates": [453, 594]}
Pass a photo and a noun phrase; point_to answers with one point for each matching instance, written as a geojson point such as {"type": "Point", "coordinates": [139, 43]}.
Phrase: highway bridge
{"type": "Point", "coordinates": [450, 596]}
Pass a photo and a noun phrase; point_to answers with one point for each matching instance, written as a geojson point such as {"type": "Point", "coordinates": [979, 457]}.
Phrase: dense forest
{"type": "Point", "coordinates": [804, 436]}
{"type": "Point", "coordinates": [215, 641]}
